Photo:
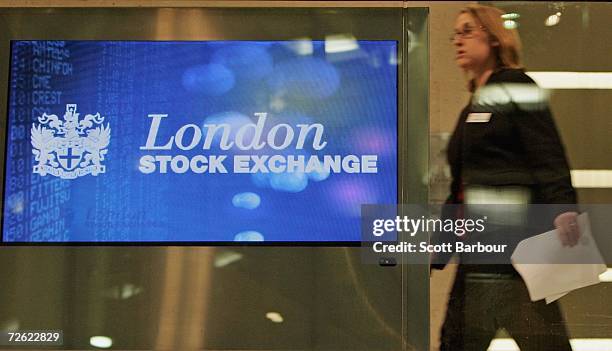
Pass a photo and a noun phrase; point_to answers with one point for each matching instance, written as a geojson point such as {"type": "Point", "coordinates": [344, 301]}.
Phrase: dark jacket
{"type": "Point", "coordinates": [519, 145]}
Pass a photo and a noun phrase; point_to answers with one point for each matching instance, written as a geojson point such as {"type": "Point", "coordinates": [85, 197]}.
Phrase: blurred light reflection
{"type": "Point", "coordinates": [274, 317]}
{"type": "Point", "coordinates": [101, 342]}
{"type": "Point", "coordinates": [301, 46]}
{"type": "Point", "coordinates": [594, 344]}
{"type": "Point", "coordinates": [572, 80]}
{"type": "Point", "coordinates": [247, 200]}
{"type": "Point", "coordinates": [340, 43]}
{"type": "Point", "coordinates": [249, 235]}
{"type": "Point", "coordinates": [553, 20]}
{"type": "Point", "coordinates": [591, 178]}
{"type": "Point", "coordinates": [225, 258]}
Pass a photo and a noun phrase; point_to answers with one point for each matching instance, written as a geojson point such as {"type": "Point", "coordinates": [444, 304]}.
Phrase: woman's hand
{"type": "Point", "coordinates": [567, 228]}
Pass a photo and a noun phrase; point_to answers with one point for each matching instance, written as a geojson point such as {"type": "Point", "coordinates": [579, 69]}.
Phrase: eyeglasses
{"type": "Point", "coordinates": [466, 33]}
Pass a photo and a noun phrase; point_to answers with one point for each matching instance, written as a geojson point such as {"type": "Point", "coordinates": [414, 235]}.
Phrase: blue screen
{"type": "Point", "coordinates": [209, 141]}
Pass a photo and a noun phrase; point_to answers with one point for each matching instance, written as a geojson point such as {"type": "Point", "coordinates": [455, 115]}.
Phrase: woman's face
{"type": "Point", "coordinates": [472, 47]}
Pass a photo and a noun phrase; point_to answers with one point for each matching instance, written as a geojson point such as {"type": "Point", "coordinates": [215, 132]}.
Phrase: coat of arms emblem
{"type": "Point", "coordinates": [70, 148]}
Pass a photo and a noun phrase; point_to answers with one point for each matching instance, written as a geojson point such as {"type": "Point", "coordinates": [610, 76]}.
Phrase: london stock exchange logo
{"type": "Point", "coordinates": [70, 148]}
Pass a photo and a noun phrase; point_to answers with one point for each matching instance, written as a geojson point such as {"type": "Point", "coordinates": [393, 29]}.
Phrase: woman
{"type": "Point", "coordinates": [505, 149]}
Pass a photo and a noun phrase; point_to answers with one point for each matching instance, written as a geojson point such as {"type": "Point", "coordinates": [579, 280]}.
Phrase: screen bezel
{"type": "Point", "coordinates": [378, 28]}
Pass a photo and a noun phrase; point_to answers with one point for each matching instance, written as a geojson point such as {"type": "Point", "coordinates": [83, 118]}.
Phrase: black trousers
{"type": "Point", "coordinates": [486, 298]}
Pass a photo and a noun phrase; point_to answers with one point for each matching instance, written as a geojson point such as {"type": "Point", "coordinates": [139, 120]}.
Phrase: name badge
{"type": "Point", "coordinates": [479, 117]}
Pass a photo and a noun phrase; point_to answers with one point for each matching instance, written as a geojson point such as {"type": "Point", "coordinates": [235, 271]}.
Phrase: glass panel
{"type": "Point", "coordinates": [571, 40]}
{"type": "Point", "coordinates": [566, 49]}
{"type": "Point", "coordinates": [246, 298]}
{"type": "Point", "coordinates": [233, 297]}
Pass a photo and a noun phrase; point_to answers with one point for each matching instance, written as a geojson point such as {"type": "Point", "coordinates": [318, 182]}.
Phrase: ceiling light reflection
{"type": "Point", "coordinates": [592, 344]}
{"type": "Point", "coordinates": [553, 20]}
{"type": "Point", "coordinates": [275, 317]}
{"type": "Point", "coordinates": [301, 46]}
{"type": "Point", "coordinates": [572, 80]}
{"type": "Point", "coordinates": [225, 258]}
{"type": "Point", "coordinates": [123, 292]}
{"type": "Point", "coordinates": [606, 277]}
{"type": "Point", "coordinates": [510, 16]}
{"type": "Point", "coordinates": [101, 342]}
{"type": "Point", "coordinates": [503, 344]}
{"type": "Point", "coordinates": [510, 24]}
{"type": "Point", "coordinates": [591, 178]}
{"type": "Point", "coordinates": [340, 43]}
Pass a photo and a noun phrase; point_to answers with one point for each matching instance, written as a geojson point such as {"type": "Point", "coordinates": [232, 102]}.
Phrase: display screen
{"type": "Point", "coordinates": [198, 142]}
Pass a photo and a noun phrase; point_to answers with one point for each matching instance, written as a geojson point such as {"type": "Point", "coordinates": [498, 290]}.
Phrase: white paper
{"type": "Point", "coordinates": [559, 271]}
{"type": "Point", "coordinates": [552, 298]}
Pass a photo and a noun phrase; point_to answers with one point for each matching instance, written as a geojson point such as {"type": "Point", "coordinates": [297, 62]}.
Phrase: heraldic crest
{"type": "Point", "coordinates": [70, 148]}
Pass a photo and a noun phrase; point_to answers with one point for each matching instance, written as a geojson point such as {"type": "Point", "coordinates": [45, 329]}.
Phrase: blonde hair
{"type": "Point", "coordinates": [508, 50]}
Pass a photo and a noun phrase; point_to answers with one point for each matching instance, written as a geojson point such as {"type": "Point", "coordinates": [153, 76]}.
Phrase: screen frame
{"type": "Point", "coordinates": [176, 24]}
